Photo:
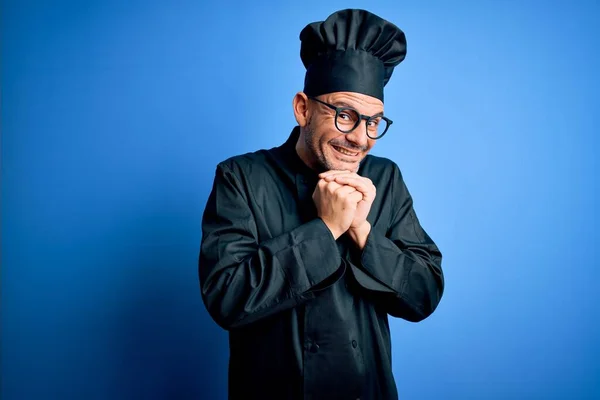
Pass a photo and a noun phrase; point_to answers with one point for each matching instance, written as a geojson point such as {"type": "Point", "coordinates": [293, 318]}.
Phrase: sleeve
{"type": "Point", "coordinates": [242, 280]}
{"type": "Point", "coordinates": [401, 268]}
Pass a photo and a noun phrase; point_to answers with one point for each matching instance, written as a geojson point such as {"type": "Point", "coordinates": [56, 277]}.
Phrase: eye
{"type": "Point", "coordinates": [374, 123]}
{"type": "Point", "coordinates": [348, 115]}
{"type": "Point", "coordinates": [345, 116]}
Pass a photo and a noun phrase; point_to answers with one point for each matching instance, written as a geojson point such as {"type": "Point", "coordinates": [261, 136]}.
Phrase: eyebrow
{"type": "Point", "coordinates": [343, 104]}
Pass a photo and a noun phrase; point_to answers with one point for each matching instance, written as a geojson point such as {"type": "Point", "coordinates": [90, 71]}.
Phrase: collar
{"type": "Point", "coordinates": [290, 158]}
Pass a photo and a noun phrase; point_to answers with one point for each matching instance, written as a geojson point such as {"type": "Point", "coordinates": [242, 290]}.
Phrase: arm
{"type": "Point", "coordinates": [404, 262]}
{"type": "Point", "coordinates": [242, 280]}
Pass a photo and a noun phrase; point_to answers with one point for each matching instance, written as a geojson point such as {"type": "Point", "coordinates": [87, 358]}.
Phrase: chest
{"type": "Point", "coordinates": [281, 204]}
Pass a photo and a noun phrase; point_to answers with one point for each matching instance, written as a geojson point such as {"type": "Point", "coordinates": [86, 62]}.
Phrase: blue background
{"type": "Point", "coordinates": [114, 115]}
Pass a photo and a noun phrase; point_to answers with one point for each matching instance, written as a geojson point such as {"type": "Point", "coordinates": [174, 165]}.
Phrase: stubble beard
{"type": "Point", "coordinates": [321, 162]}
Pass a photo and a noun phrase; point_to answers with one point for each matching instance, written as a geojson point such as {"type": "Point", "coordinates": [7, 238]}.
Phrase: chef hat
{"type": "Point", "coordinates": [351, 51]}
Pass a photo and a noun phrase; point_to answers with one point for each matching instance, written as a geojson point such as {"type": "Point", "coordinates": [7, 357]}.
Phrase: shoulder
{"type": "Point", "coordinates": [250, 169]}
{"type": "Point", "coordinates": [243, 164]}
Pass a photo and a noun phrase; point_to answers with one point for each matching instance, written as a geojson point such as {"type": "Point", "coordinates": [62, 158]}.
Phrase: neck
{"type": "Point", "coordinates": [304, 154]}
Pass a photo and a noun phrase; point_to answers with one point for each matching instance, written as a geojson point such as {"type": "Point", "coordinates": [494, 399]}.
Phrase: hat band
{"type": "Point", "coordinates": [345, 71]}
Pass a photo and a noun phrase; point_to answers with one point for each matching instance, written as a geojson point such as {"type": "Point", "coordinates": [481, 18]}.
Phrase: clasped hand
{"type": "Point", "coordinates": [343, 200]}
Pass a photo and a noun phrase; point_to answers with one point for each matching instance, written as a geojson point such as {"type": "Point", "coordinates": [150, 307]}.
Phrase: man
{"type": "Point", "coordinates": [309, 246]}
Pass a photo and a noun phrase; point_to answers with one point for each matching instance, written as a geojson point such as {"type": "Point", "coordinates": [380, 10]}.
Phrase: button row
{"type": "Point", "coordinates": [314, 347]}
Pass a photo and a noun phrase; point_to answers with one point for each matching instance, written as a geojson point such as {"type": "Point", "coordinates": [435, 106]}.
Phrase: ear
{"type": "Point", "coordinates": [301, 112]}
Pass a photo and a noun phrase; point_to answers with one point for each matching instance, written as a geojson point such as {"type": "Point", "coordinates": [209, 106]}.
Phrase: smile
{"type": "Point", "coordinates": [344, 151]}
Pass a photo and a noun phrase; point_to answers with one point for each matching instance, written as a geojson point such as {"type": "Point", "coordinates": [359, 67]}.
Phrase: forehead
{"type": "Point", "coordinates": [361, 102]}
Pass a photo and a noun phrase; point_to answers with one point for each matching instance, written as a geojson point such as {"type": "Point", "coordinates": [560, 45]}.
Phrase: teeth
{"type": "Point", "coordinates": [344, 151]}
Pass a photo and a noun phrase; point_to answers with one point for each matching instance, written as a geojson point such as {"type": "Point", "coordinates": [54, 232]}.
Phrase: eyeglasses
{"type": "Point", "coordinates": [348, 119]}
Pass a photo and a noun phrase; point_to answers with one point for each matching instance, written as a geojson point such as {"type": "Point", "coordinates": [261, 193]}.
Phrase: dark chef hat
{"type": "Point", "coordinates": [351, 51]}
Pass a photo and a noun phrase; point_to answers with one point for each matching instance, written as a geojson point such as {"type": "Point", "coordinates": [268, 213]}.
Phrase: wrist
{"type": "Point", "coordinates": [334, 232]}
{"type": "Point", "coordinates": [360, 233]}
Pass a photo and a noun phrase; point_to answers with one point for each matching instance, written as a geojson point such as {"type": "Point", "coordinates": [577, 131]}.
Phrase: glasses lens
{"type": "Point", "coordinates": [347, 119]}
{"type": "Point", "coordinates": [377, 127]}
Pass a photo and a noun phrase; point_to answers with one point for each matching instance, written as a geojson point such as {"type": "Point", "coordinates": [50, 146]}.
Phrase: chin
{"type": "Point", "coordinates": [343, 166]}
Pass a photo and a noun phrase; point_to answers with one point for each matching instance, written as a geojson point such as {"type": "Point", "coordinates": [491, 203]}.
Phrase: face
{"type": "Point", "coordinates": [321, 145]}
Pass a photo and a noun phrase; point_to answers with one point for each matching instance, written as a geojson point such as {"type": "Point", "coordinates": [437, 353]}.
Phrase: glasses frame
{"type": "Point", "coordinates": [361, 117]}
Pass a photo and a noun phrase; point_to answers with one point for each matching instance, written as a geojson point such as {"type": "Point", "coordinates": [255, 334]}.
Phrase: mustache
{"type": "Point", "coordinates": [348, 145]}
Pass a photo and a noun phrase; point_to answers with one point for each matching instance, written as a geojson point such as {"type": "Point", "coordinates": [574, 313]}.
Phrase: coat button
{"type": "Point", "coordinates": [314, 348]}
{"type": "Point", "coordinates": [354, 344]}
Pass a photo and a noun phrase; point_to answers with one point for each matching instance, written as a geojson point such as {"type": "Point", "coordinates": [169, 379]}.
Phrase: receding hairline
{"type": "Point", "coordinates": [343, 102]}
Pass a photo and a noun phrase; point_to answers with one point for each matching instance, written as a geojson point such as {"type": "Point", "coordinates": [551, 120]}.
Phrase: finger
{"type": "Point", "coordinates": [331, 187]}
{"type": "Point", "coordinates": [361, 184]}
{"type": "Point", "coordinates": [356, 196]}
{"type": "Point", "coordinates": [331, 177]}
{"type": "Point", "coordinates": [352, 175]}
{"type": "Point", "coordinates": [333, 172]}
{"type": "Point", "coordinates": [354, 179]}
{"type": "Point", "coordinates": [345, 190]}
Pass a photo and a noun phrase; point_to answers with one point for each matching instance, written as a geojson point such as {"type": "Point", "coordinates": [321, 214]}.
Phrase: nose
{"type": "Point", "coordinates": [359, 136]}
